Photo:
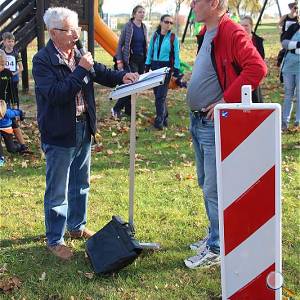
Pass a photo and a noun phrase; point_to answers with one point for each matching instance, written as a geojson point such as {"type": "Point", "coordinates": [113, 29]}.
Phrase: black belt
{"type": "Point", "coordinates": [81, 118]}
{"type": "Point", "coordinates": [199, 113]}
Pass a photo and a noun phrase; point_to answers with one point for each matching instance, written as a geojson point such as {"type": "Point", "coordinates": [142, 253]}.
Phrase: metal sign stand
{"type": "Point", "coordinates": [153, 246]}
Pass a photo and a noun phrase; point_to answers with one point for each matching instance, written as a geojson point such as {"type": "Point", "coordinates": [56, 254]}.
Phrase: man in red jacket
{"type": "Point", "coordinates": [226, 60]}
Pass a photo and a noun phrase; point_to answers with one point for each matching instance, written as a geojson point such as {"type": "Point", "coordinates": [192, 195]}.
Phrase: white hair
{"type": "Point", "coordinates": [54, 17]}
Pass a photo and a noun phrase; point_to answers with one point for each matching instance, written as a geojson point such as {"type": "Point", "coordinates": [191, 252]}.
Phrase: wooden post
{"type": "Point", "coordinates": [25, 80]}
{"type": "Point", "coordinates": [40, 23]}
{"type": "Point", "coordinates": [91, 28]}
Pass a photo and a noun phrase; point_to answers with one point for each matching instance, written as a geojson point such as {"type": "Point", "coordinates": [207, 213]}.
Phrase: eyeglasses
{"type": "Point", "coordinates": [69, 31]}
{"type": "Point", "coordinates": [168, 22]}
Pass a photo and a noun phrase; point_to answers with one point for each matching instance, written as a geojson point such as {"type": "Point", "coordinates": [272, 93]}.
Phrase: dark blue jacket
{"type": "Point", "coordinates": [56, 87]}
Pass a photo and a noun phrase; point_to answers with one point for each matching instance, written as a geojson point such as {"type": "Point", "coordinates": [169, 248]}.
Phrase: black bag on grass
{"type": "Point", "coordinates": [113, 247]}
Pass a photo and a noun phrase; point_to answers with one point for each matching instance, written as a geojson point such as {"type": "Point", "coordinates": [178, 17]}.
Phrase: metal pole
{"type": "Point", "coordinates": [144, 245]}
{"type": "Point", "coordinates": [260, 15]}
{"type": "Point", "coordinates": [279, 10]}
{"type": "Point", "coordinates": [132, 157]}
{"type": "Point", "coordinates": [186, 26]}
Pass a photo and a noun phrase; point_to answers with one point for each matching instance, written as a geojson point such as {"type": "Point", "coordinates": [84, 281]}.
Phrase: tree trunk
{"type": "Point", "coordinates": [177, 9]}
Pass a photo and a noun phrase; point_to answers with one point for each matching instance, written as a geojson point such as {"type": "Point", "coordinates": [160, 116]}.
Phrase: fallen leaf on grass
{"type": "Point", "coordinates": [9, 284]}
{"type": "Point", "coordinates": [95, 177]}
{"type": "Point", "coordinates": [178, 176]}
{"type": "Point", "coordinates": [187, 164]}
{"type": "Point", "coordinates": [139, 157]}
{"type": "Point", "coordinates": [43, 276]}
{"type": "Point", "coordinates": [109, 152]}
{"type": "Point", "coordinates": [98, 137]}
{"type": "Point", "coordinates": [123, 129]}
{"type": "Point", "coordinates": [89, 275]}
{"type": "Point", "coordinates": [97, 148]}
{"type": "Point", "coordinates": [183, 156]}
{"type": "Point", "coordinates": [118, 145]}
{"type": "Point", "coordinates": [24, 164]}
{"type": "Point", "coordinates": [3, 269]}
{"type": "Point", "coordinates": [174, 146]}
{"type": "Point", "coordinates": [179, 134]}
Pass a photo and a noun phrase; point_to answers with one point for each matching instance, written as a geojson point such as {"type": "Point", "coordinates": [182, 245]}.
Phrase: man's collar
{"type": "Point", "coordinates": [66, 57]}
{"type": "Point", "coordinates": [55, 56]}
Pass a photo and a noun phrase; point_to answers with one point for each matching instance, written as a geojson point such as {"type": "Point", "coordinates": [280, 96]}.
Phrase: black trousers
{"type": "Point", "coordinates": [136, 64]}
{"type": "Point", "coordinates": [16, 92]}
{"type": "Point", "coordinates": [257, 96]}
{"type": "Point", "coordinates": [11, 146]}
{"type": "Point", "coordinates": [160, 93]}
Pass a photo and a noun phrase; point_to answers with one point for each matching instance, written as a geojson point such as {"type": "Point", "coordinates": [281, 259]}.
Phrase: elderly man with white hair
{"type": "Point", "coordinates": [66, 114]}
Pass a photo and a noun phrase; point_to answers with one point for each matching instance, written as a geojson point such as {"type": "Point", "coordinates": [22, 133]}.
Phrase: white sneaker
{"type": "Point", "coordinates": [199, 246]}
{"type": "Point", "coordinates": [204, 259]}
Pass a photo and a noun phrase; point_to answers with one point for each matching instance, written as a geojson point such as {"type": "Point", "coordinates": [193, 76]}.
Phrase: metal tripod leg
{"type": "Point", "coordinates": [153, 246]}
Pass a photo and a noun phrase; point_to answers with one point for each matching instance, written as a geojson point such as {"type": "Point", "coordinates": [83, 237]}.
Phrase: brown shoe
{"type": "Point", "coordinates": [85, 233]}
{"type": "Point", "coordinates": [61, 251]}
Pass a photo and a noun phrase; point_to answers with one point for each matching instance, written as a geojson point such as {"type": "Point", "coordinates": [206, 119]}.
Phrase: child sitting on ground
{"type": "Point", "coordinates": [7, 94]}
{"type": "Point", "coordinates": [6, 131]}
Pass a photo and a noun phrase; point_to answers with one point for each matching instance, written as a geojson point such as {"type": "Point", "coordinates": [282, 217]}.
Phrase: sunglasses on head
{"type": "Point", "coordinates": [168, 22]}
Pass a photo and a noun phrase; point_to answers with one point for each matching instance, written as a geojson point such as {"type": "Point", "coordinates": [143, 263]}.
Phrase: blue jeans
{"type": "Point", "coordinates": [203, 136]}
{"type": "Point", "coordinates": [67, 185]}
{"type": "Point", "coordinates": [291, 83]}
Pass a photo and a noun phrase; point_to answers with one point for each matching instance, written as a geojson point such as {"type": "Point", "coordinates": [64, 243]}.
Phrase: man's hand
{"type": "Point", "coordinates": [130, 77]}
{"type": "Point", "coordinates": [210, 109]}
{"type": "Point", "coordinates": [86, 61]}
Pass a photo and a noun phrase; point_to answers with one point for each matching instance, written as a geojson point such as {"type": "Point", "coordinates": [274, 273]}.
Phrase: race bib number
{"type": "Point", "coordinates": [11, 63]}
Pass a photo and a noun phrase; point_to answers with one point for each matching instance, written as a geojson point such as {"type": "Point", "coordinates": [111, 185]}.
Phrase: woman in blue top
{"type": "Point", "coordinates": [291, 74]}
{"type": "Point", "coordinates": [163, 51]}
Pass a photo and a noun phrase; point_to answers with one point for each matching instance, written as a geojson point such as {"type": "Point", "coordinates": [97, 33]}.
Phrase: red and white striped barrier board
{"type": "Point", "coordinates": [248, 148]}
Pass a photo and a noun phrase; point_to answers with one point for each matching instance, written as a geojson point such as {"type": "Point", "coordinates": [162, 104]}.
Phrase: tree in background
{"type": "Point", "coordinates": [235, 5]}
{"type": "Point", "coordinates": [178, 4]}
{"type": "Point", "coordinates": [252, 7]}
{"type": "Point", "coordinates": [247, 6]}
{"type": "Point", "coordinates": [100, 9]}
{"type": "Point", "coordinates": [149, 4]}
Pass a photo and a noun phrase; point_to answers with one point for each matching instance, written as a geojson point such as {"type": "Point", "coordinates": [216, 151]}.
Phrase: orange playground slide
{"type": "Point", "coordinates": [103, 34]}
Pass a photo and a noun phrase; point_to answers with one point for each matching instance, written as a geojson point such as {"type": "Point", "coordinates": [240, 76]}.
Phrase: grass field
{"type": "Point", "coordinates": [169, 205]}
